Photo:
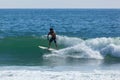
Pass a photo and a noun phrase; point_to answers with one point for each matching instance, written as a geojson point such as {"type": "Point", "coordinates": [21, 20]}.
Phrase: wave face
{"type": "Point", "coordinates": [96, 48]}
{"type": "Point", "coordinates": [25, 51]}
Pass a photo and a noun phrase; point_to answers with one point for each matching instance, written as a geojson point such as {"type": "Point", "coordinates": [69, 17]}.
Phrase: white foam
{"type": "Point", "coordinates": [112, 50]}
{"type": "Point", "coordinates": [78, 51]}
{"type": "Point", "coordinates": [58, 75]}
{"type": "Point", "coordinates": [95, 48]}
{"type": "Point", "coordinates": [68, 41]}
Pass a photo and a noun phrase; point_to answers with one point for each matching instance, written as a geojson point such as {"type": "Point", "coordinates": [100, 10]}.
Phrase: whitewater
{"type": "Point", "coordinates": [96, 48]}
{"type": "Point", "coordinates": [58, 75]}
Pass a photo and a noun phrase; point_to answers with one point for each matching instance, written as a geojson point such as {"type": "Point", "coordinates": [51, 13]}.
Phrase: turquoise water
{"type": "Point", "coordinates": [85, 37]}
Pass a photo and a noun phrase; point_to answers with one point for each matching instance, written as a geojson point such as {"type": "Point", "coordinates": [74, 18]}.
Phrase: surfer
{"type": "Point", "coordinates": [53, 37]}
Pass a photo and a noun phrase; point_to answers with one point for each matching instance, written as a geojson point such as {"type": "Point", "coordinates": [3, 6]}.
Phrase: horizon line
{"type": "Point", "coordinates": [59, 8]}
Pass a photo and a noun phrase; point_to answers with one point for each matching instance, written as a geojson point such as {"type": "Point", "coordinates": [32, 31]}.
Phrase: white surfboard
{"type": "Point", "coordinates": [46, 48]}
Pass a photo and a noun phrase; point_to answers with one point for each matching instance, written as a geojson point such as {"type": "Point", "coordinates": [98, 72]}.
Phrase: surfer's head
{"type": "Point", "coordinates": [51, 29]}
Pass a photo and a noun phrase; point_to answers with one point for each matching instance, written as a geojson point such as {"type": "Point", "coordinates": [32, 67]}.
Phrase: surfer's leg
{"type": "Point", "coordinates": [55, 43]}
{"type": "Point", "coordinates": [50, 43]}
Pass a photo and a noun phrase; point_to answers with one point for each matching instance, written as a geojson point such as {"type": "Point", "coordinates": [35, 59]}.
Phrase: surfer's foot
{"type": "Point", "coordinates": [48, 47]}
